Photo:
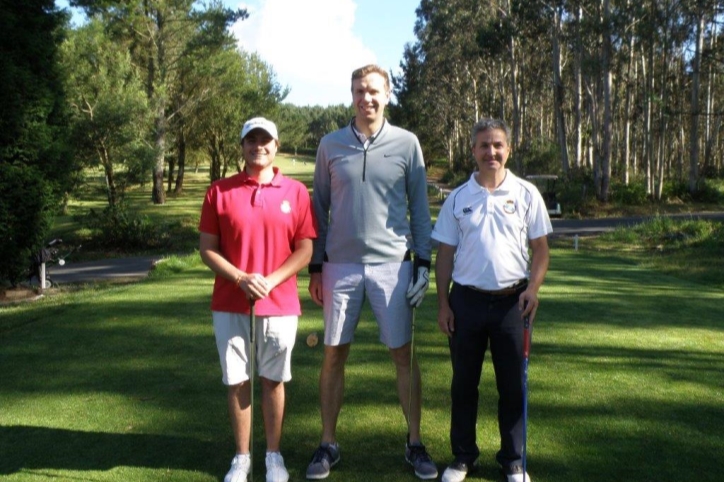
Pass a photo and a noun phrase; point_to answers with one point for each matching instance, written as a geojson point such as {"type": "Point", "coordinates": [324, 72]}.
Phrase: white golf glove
{"type": "Point", "coordinates": [416, 290]}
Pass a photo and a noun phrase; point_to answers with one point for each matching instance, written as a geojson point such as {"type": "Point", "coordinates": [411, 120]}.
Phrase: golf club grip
{"type": "Point", "coordinates": [526, 336]}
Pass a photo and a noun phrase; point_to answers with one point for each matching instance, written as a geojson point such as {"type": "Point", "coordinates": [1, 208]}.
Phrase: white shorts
{"type": "Point", "coordinates": [275, 337]}
{"type": "Point", "coordinates": [344, 288]}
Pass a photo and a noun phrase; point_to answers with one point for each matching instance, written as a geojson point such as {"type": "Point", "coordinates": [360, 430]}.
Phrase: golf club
{"type": "Point", "coordinates": [526, 352]}
{"type": "Point", "coordinates": [252, 370]}
{"type": "Point", "coordinates": [412, 354]}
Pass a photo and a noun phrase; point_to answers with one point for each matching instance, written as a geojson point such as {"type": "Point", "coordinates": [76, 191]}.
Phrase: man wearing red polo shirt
{"type": "Point", "coordinates": [256, 234]}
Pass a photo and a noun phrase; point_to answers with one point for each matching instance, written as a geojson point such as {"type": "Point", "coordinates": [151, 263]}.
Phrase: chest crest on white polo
{"type": "Point", "coordinates": [509, 206]}
{"type": "Point", "coordinates": [286, 207]}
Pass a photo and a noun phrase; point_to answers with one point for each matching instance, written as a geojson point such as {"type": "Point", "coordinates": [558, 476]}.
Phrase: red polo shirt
{"type": "Point", "coordinates": [257, 226]}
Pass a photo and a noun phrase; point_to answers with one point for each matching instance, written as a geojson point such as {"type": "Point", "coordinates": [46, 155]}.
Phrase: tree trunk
{"type": "Point", "coordinates": [515, 96]}
{"type": "Point", "coordinates": [559, 95]}
{"type": "Point", "coordinates": [648, 131]}
{"type": "Point", "coordinates": [171, 168]}
{"type": "Point", "coordinates": [159, 194]}
{"type": "Point", "coordinates": [708, 136]}
{"type": "Point", "coordinates": [112, 191]}
{"type": "Point", "coordinates": [607, 115]}
{"type": "Point", "coordinates": [630, 81]}
{"type": "Point", "coordinates": [156, 97]}
{"type": "Point", "coordinates": [695, 80]}
{"type": "Point", "coordinates": [181, 162]}
{"type": "Point", "coordinates": [578, 63]}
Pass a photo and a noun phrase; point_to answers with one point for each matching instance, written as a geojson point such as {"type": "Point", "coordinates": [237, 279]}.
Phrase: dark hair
{"type": "Point", "coordinates": [488, 124]}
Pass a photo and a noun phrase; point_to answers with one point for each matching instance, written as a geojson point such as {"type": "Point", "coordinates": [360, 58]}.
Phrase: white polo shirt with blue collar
{"type": "Point", "coordinates": [491, 231]}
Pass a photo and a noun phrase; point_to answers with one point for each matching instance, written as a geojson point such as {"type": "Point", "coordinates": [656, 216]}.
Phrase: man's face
{"type": "Point", "coordinates": [491, 150]}
{"type": "Point", "coordinates": [259, 149]}
{"type": "Point", "coordinates": [370, 96]}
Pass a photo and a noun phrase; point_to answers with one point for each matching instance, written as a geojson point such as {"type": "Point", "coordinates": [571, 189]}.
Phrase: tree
{"type": "Point", "coordinates": [111, 116]}
{"type": "Point", "coordinates": [637, 100]}
{"type": "Point", "coordinates": [292, 123]}
{"type": "Point", "coordinates": [158, 39]}
{"type": "Point", "coordinates": [240, 86]}
{"type": "Point", "coordinates": [36, 164]}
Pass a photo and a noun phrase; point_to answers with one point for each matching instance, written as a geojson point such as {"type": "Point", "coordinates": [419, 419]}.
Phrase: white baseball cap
{"type": "Point", "coordinates": [260, 123]}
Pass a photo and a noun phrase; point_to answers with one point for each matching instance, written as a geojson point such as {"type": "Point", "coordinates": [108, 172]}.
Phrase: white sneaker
{"type": "Point", "coordinates": [275, 470]}
{"type": "Point", "coordinates": [240, 468]}
{"type": "Point", "coordinates": [455, 472]}
{"type": "Point", "coordinates": [518, 477]}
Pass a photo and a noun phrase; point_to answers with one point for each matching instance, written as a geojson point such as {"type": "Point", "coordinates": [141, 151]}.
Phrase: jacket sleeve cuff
{"type": "Point", "coordinates": [317, 268]}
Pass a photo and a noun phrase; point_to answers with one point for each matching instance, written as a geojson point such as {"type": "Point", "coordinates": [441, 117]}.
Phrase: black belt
{"type": "Point", "coordinates": [510, 290]}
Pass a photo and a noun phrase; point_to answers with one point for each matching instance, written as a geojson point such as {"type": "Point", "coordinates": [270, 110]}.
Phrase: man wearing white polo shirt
{"type": "Point", "coordinates": [486, 229]}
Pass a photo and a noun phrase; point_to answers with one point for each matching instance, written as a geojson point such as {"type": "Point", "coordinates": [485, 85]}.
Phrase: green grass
{"type": "Point", "coordinates": [687, 248]}
{"type": "Point", "coordinates": [122, 383]}
{"type": "Point", "coordinates": [179, 216]}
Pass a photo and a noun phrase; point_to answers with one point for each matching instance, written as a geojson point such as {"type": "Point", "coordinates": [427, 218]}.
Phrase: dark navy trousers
{"type": "Point", "coordinates": [483, 320]}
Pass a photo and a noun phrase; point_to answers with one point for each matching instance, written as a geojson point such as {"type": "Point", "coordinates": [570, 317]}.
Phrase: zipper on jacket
{"type": "Point", "coordinates": [371, 139]}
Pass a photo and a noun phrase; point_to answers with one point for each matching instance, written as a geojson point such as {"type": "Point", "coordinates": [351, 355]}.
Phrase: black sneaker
{"type": "Point", "coordinates": [417, 456]}
{"type": "Point", "coordinates": [324, 458]}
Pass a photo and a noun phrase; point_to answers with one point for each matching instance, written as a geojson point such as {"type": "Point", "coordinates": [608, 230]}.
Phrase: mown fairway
{"type": "Point", "coordinates": [122, 383]}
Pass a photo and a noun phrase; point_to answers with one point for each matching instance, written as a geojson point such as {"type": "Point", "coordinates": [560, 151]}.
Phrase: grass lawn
{"type": "Point", "coordinates": [122, 383]}
{"type": "Point", "coordinates": [179, 216]}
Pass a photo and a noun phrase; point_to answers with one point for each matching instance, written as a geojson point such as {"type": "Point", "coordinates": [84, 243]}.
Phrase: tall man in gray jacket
{"type": "Point", "coordinates": [368, 175]}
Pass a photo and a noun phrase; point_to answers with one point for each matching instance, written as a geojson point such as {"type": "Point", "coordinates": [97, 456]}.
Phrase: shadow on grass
{"type": "Point", "coordinates": [32, 448]}
{"type": "Point", "coordinates": [605, 404]}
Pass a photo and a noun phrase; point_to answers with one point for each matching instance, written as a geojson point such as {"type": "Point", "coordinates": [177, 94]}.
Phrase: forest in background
{"type": "Point", "coordinates": [615, 91]}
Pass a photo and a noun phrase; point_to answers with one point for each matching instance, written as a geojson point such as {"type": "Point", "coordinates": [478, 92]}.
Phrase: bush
{"type": "Point", "coordinates": [709, 192]}
{"type": "Point", "coordinates": [541, 157]}
{"type": "Point", "coordinates": [26, 214]}
{"type": "Point", "coordinates": [118, 228]}
{"type": "Point", "coordinates": [631, 194]}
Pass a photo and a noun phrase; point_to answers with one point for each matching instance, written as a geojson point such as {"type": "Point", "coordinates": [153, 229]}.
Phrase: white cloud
{"type": "Point", "coordinates": [310, 44]}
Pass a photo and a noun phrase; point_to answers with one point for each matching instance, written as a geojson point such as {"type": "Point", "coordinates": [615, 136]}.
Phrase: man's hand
{"type": "Point", "coordinates": [315, 288]}
{"type": "Point", "coordinates": [416, 290]}
{"type": "Point", "coordinates": [446, 320]}
{"type": "Point", "coordinates": [254, 285]}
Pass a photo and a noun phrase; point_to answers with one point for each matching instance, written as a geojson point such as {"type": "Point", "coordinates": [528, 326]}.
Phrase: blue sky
{"type": "Point", "coordinates": [313, 45]}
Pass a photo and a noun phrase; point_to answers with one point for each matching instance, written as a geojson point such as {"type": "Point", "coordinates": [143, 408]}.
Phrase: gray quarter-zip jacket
{"type": "Point", "coordinates": [362, 198]}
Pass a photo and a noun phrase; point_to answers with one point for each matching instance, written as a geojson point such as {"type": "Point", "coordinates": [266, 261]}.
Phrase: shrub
{"type": "Point", "coordinates": [26, 213]}
{"type": "Point", "coordinates": [631, 194]}
{"type": "Point", "coordinates": [541, 157]}
{"type": "Point", "coordinates": [709, 191]}
{"type": "Point", "coordinates": [118, 228]}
